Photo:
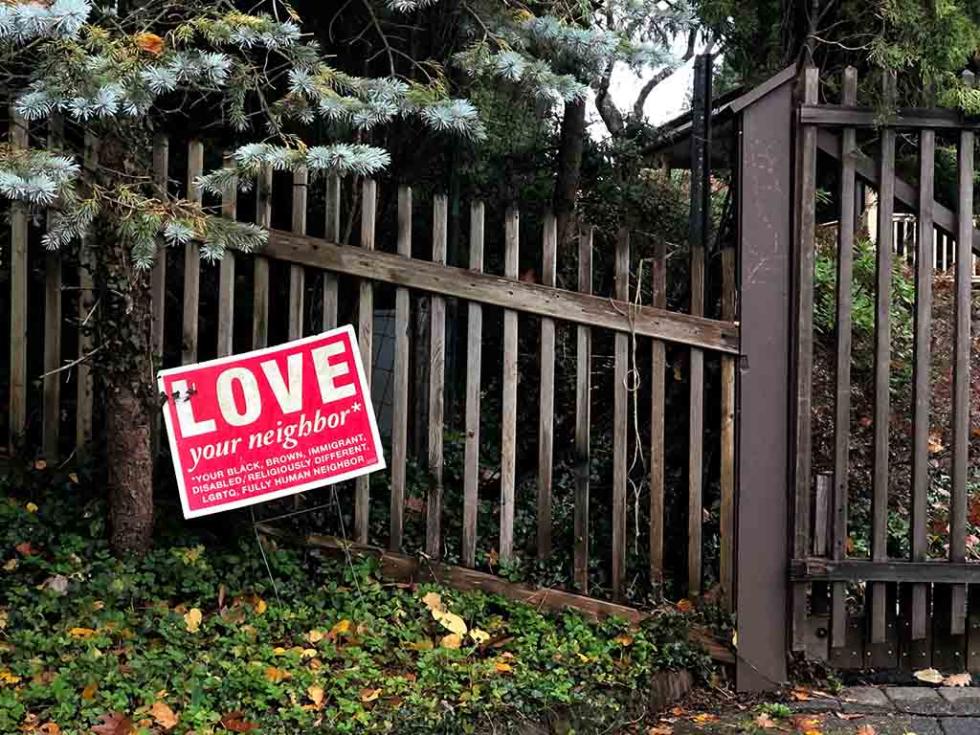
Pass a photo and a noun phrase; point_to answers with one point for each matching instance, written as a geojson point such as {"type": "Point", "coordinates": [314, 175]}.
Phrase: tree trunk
{"type": "Point", "coordinates": [130, 471]}
{"type": "Point", "coordinates": [569, 166]}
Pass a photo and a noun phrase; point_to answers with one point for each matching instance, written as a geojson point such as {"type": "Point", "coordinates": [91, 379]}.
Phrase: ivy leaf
{"type": "Point", "coordinates": [114, 723]}
{"type": "Point", "coordinates": [235, 722]}
{"type": "Point", "coordinates": [163, 715]}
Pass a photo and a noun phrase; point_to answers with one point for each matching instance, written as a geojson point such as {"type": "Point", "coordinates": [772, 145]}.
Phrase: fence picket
{"type": "Point", "coordinates": [546, 409]}
{"type": "Point", "coordinates": [365, 332]}
{"type": "Point", "coordinates": [158, 278]}
{"type": "Point", "coordinates": [260, 271]}
{"type": "Point", "coordinates": [474, 358]}
{"type": "Point", "coordinates": [583, 402]}
{"type": "Point", "coordinates": [18, 293]}
{"type": "Point", "coordinates": [921, 375]}
{"type": "Point", "coordinates": [86, 306]}
{"type": "Point", "coordinates": [51, 390]}
{"type": "Point", "coordinates": [297, 274]}
{"type": "Point", "coordinates": [508, 419]}
{"type": "Point", "coordinates": [399, 410]}
{"type": "Point", "coordinates": [658, 398]}
{"type": "Point", "coordinates": [882, 398]}
{"type": "Point", "coordinates": [803, 389]}
{"type": "Point", "coordinates": [332, 233]}
{"type": "Point", "coordinates": [192, 259]}
{"type": "Point", "coordinates": [437, 382]}
{"type": "Point", "coordinates": [620, 476]}
{"type": "Point", "coordinates": [842, 394]}
{"type": "Point", "coordinates": [226, 271]}
{"type": "Point", "coordinates": [961, 370]}
{"type": "Point", "coordinates": [726, 561]}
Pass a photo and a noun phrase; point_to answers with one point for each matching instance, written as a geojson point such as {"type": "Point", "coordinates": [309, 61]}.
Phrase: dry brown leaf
{"type": "Point", "coordinates": [623, 639]}
{"type": "Point", "coordinates": [847, 716]}
{"type": "Point", "coordinates": [235, 722]}
{"type": "Point", "coordinates": [958, 680]}
{"type": "Point", "coordinates": [703, 718]}
{"type": "Point", "coordinates": [685, 605]}
{"type": "Point", "coordinates": [433, 601]}
{"type": "Point", "coordinates": [149, 42]}
{"type": "Point", "coordinates": [765, 721]}
{"type": "Point", "coordinates": [453, 640]}
{"type": "Point", "coordinates": [315, 636]}
{"type": "Point", "coordinates": [930, 676]}
{"type": "Point", "coordinates": [164, 716]}
{"type": "Point", "coordinates": [315, 693]}
{"type": "Point", "coordinates": [88, 693]}
{"type": "Point", "coordinates": [114, 723]}
{"type": "Point", "coordinates": [369, 695]}
{"type": "Point", "coordinates": [50, 728]}
{"type": "Point", "coordinates": [866, 730]}
{"type": "Point", "coordinates": [661, 729]}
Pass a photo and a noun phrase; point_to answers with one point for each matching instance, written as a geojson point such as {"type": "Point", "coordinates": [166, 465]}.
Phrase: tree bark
{"type": "Point", "coordinates": [569, 167]}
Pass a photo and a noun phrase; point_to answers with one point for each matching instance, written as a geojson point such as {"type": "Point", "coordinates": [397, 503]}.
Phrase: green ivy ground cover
{"type": "Point", "coordinates": [194, 638]}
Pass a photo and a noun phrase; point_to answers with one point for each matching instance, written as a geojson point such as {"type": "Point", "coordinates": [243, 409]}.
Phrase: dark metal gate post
{"type": "Point", "coordinates": [765, 199]}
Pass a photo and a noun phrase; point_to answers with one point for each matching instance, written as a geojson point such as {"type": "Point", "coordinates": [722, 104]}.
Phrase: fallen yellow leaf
{"type": "Point", "coordinates": [163, 715]}
{"type": "Point", "coordinates": [81, 632]}
{"type": "Point", "coordinates": [192, 619]}
{"type": "Point", "coordinates": [423, 645]}
{"type": "Point", "coordinates": [88, 693]}
{"type": "Point", "coordinates": [341, 628]}
{"type": "Point", "coordinates": [315, 693]}
{"type": "Point", "coordinates": [369, 695]}
{"type": "Point", "coordinates": [315, 636]}
{"type": "Point", "coordinates": [433, 601]}
{"type": "Point", "coordinates": [451, 641]}
{"type": "Point", "coordinates": [8, 678]}
{"type": "Point", "coordinates": [479, 636]}
{"type": "Point", "coordinates": [31, 507]}
{"type": "Point", "coordinates": [502, 667]}
{"type": "Point", "coordinates": [40, 464]}
{"type": "Point", "coordinates": [623, 639]}
{"type": "Point", "coordinates": [451, 622]}
{"type": "Point", "coordinates": [276, 675]}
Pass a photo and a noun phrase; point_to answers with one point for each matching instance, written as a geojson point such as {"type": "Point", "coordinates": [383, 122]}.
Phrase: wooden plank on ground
{"type": "Point", "coordinates": [158, 278]}
{"type": "Point", "coordinates": [297, 274]}
{"type": "Point", "coordinates": [803, 359]}
{"type": "Point", "coordinates": [332, 233]}
{"type": "Point", "coordinates": [620, 470]}
{"type": "Point", "coordinates": [583, 404]}
{"type": "Point", "coordinates": [726, 562]}
{"type": "Point", "coordinates": [961, 372]}
{"type": "Point", "coordinates": [51, 387]}
{"type": "Point", "coordinates": [18, 294]}
{"type": "Point", "coordinates": [842, 374]}
{"type": "Point", "coordinates": [226, 271]}
{"type": "Point", "coordinates": [921, 376]}
{"type": "Point", "coordinates": [882, 389]}
{"type": "Point", "coordinates": [474, 359]}
{"type": "Point", "coordinates": [399, 408]}
{"type": "Point", "coordinates": [192, 260]}
{"type": "Point", "coordinates": [546, 404]}
{"type": "Point", "coordinates": [437, 382]}
{"type": "Point", "coordinates": [508, 418]}
{"type": "Point", "coordinates": [86, 308]}
{"type": "Point", "coordinates": [365, 336]}
{"type": "Point", "coordinates": [658, 409]}
{"type": "Point", "coordinates": [531, 298]}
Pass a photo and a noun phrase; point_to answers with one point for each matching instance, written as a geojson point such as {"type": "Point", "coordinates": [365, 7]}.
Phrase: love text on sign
{"type": "Point", "coordinates": [253, 427]}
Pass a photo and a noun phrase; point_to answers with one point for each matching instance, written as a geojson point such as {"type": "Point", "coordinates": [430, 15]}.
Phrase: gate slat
{"type": "Point", "coordinates": [192, 260]}
{"type": "Point", "coordinates": [332, 233]}
{"type": "Point", "coordinates": [921, 387]}
{"type": "Point", "coordinates": [620, 418]}
{"type": "Point", "coordinates": [961, 371]}
{"type": "Point", "coordinates": [882, 389]}
{"type": "Point", "coordinates": [842, 393]}
{"type": "Point", "coordinates": [297, 273]}
{"type": "Point", "coordinates": [547, 392]}
{"type": "Point", "coordinates": [226, 271]}
{"type": "Point", "coordinates": [583, 400]}
{"type": "Point", "coordinates": [474, 358]}
{"type": "Point", "coordinates": [86, 304]}
{"type": "Point", "coordinates": [18, 294]}
{"type": "Point", "coordinates": [508, 419]}
{"type": "Point", "coordinates": [52, 324]}
{"type": "Point", "coordinates": [658, 398]}
{"type": "Point", "coordinates": [803, 306]}
{"type": "Point", "coordinates": [399, 410]}
{"type": "Point", "coordinates": [365, 332]}
{"type": "Point", "coordinates": [437, 381]}
{"type": "Point", "coordinates": [158, 278]}
{"type": "Point", "coordinates": [727, 472]}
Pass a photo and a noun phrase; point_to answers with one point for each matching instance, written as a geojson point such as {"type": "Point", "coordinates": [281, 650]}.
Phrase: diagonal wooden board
{"type": "Point", "coordinates": [404, 568]}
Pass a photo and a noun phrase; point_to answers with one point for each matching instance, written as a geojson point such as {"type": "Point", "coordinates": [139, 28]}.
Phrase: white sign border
{"type": "Point", "coordinates": [172, 437]}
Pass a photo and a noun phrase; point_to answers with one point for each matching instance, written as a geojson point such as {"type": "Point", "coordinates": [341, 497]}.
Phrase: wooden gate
{"type": "Point", "coordinates": [882, 557]}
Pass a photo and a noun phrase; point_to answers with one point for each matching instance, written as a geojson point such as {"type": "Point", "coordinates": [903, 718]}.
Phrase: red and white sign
{"type": "Point", "coordinates": [273, 422]}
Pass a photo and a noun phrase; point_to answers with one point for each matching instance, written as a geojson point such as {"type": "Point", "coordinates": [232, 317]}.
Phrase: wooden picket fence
{"type": "Point", "coordinates": [316, 267]}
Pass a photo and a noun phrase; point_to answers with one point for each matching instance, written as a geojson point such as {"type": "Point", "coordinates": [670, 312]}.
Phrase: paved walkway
{"type": "Point", "coordinates": [899, 710]}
